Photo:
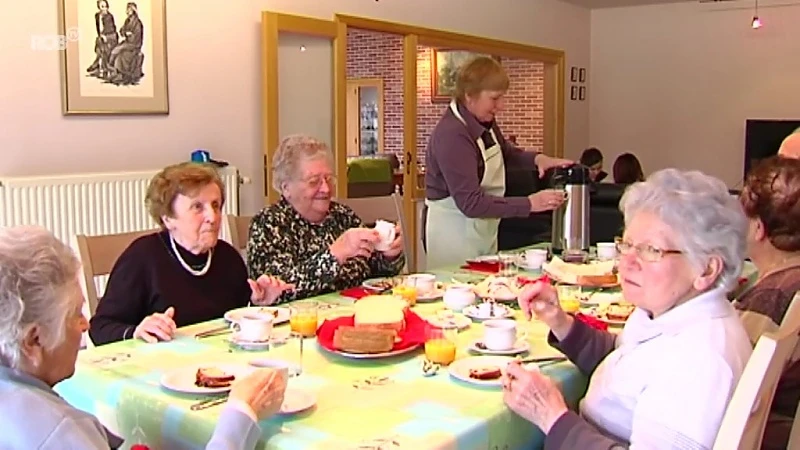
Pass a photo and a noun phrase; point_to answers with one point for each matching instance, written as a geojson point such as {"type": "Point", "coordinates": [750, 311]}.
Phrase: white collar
{"type": "Point", "coordinates": [711, 304]}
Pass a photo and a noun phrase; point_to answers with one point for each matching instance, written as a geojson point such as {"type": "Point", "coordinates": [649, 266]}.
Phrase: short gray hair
{"type": "Point", "coordinates": [35, 271]}
{"type": "Point", "coordinates": [291, 152]}
{"type": "Point", "coordinates": [706, 218]}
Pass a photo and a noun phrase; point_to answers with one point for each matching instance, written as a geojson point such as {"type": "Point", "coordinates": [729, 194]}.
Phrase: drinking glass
{"type": "Point", "coordinates": [440, 344]}
{"type": "Point", "coordinates": [409, 293]}
{"type": "Point", "coordinates": [508, 264]}
{"type": "Point", "coordinates": [303, 318]}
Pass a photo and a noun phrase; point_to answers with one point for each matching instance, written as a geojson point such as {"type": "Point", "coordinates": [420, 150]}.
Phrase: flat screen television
{"type": "Point", "coordinates": [763, 138]}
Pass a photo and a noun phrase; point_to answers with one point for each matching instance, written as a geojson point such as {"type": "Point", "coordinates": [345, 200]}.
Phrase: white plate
{"type": "Point", "coordinates": [280, 315]}
{"type": "Point", "coordinates": [473, 313]}
{"type": "Point", "coordinates": [461, 367]}
{"type": "Point", "coordinates": [430, 296]}
{"type": "Point", "coordinates": [600, 297]}
{"type": "Point", "coordinates": [373, 355]}
{"type": "Point", "coordinates": [375, 284]}
{"type": "Point", "coordinates": [278, 337]}
{"type": "Point", "coordinates": [182, 380]}
{"type": "Point", "coordinates": [520, 346]}
{"type": "Point", "coordinates": [485, 259]}
{"type": "Point", "coordinates": [449, 320]}
{"type": "Point", "coordinates": [297, 400]}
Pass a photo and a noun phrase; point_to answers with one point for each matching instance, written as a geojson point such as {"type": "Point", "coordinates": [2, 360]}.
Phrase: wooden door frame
{"type": "Point", "coordinates": [272, 24]}
{"type": "Point", "coordinates": [377, 83]}
{"type": "Point", "coordinates": [336, 30]}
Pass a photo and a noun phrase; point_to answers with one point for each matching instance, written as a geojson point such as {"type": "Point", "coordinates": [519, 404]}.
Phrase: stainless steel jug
{"type": "Point", "coordinates": [570, 232]}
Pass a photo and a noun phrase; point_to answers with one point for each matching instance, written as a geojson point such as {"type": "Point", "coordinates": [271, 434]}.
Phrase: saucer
{"type": "Point", "coordinates": [250, 345]}
{"type": "Point", "coordinates": [430, 296]}
{"type": "Point", "coordinates": [521, 346]}
{"type": "Point", "coordinates": [447, 319]}
{"type": "Point", "coordinates": [500, 312]}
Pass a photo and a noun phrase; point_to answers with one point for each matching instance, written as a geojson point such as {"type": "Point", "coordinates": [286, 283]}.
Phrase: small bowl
{"type": "Point", "coordinates": [456, 298]}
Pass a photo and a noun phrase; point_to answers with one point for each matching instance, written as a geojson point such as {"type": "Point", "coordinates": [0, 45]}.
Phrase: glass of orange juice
{"type": "Point", "coordinates": [409, 293]}
{"type": "Point", "coordinates": [440, 345]}
{"type": "Point", "coordinates": [303, 318]}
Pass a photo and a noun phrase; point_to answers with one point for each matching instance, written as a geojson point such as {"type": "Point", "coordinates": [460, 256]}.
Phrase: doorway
{"type": "Point", "coordinates": [365, 113]}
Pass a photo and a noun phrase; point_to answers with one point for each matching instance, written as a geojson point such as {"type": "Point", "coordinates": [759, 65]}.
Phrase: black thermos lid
{"type": "Point", "coordinates": [559, 177]}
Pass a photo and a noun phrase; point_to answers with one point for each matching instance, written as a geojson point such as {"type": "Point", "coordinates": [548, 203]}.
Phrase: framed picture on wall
{"type": "Point", "coordinates": [573, 93]}
{"type": "Point", "coordinates": [114, 57]}
{"type": "Point", "coordinates": [444, 69]}
{"type": "Point", "coordinates": [574, 75]}
{"type": "Point", "coordinates": [582, 94]}
{"type": "Point", "coordinates": [582, 76]}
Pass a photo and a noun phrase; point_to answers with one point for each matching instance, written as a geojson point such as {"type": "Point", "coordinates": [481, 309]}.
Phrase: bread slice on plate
{"type": "Point", "coordinates": [212, 377]}
{"type": "Point", "coordinates": [592, 274]}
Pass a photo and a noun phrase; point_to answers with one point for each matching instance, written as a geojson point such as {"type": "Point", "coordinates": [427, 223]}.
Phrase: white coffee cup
{"type": "Point", "coordinates": [499, 334]}
{"type": "Point", "coordinates": [606, 251]}
{"type": "Point", "coordinates": [386, 230]}
{"type": "Point", "coordinates": [253, 328]}
{"type": "Point", "coordinates": [424, 282]}
{"type": "Point", "coordinates": [535, 257]}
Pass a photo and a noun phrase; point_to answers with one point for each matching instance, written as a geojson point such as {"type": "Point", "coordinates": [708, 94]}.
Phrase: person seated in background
{"type": "Point", "coordinates": [593, 159]}
{"type": "Point", "coordinates": [666, 380]}
{"type": "Point", "coordinates": [771, 200]}
{"type": "Point", "coordinates": [40, 334]}
{"type": "Point", "coordinates": [790, 147]}
{"type": "Point", "coordinates": [183, 274]}
{"type": "Point", "coordinates": [627, 169]}
{"type": "Point", "coordinates": [309, 240]}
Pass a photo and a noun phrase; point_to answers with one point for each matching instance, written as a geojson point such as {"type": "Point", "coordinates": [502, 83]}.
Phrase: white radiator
{"type": "Point", "coordinates": [91, 204]}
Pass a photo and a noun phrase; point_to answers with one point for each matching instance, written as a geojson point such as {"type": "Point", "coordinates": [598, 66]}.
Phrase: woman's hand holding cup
{"type": "Point", "coordinates": [355, 242]}
{"type": "Point", "coordinates": [541, 299]}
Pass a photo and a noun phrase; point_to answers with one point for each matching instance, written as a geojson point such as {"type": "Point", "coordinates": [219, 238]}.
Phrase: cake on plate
{"type": "Point", "coordinates": [380, 312]}
{"type": "Point", "coordinates": [592, 274]}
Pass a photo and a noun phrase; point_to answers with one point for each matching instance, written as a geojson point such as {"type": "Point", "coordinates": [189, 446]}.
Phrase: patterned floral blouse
{"type": "Point", "coordinates": [284, 244]}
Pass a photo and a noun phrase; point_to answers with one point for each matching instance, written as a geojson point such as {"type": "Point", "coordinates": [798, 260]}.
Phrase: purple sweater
{"type": "Point", "coordinates": [455, 167]}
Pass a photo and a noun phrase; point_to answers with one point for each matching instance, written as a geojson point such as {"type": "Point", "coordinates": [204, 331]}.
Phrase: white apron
{"type": "Point", "coordinates": [452, 237]}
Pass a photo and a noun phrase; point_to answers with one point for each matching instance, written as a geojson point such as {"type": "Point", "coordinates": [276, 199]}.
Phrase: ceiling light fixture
{"type": "Point", "coordinates": [756, 23]}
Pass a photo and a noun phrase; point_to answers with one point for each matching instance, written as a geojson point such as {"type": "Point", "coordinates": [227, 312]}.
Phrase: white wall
{"type": "Point", "coordinates": [214, 81]}
{"type": "Point", "coordinates": [674, 83]}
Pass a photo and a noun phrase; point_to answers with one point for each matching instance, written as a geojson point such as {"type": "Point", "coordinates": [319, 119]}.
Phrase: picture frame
{"type": "Point", "coordinates": [573, 93]}
{"type": "Point", "coordinates": [444, 68]}
{"type": "Point", "coordinates": [582, 93]}
{"type": "Point", "coordinates": [574, 75]}
{"type": "Point", "coordinates": [113, 58]}
{"type": "Point", "coordinates": [582, 75]}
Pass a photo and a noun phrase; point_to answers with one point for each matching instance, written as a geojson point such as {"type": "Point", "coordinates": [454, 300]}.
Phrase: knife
{"type": "Point", "coordinates": [543, 359]}
{"type": "Point", "coordinates": [208, 403]}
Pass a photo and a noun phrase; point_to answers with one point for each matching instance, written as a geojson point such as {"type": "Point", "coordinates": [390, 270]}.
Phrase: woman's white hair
{"type": "Point", "coordinates": [36, 269]}
{"type": "Point", "coordinates": [706, 218]}
{"type": "Point", "coordinates": [291, 153]}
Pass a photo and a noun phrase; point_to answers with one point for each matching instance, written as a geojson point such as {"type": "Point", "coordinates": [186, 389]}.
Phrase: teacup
{"type": "Point", "coordinates": [606, 251]}
{"type": "Point", "coordinates": [284, 368]}
{"type": "Point", "coordinates": [500, 334]}
{"type": "Point", "coordinates": [424, 282]}
{"type": "Point", "coordinates": [253, 328]}
{"type": "Point", "coordinates": [535, 257]}
{"type": "Point", "coordinates": [457, 298]}
{"type": "Point", "coordinates": [386, 230]}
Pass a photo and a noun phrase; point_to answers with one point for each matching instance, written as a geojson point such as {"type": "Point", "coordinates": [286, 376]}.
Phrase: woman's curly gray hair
{"type": "Point", "coordinates": [706, 218]}
{"type": "Point", "coordinates": [36, 269]}
{"type": "Point", "coordinates": [291, 153]}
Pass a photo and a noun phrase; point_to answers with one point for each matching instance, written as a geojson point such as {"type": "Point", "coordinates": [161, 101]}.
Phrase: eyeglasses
{"type": "Point", "coordinates": [316, 181]}
{"type": "Point", "coordinates": [645, 252]}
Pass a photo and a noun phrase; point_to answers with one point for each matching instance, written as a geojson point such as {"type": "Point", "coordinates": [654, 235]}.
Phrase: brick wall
{"type": "Point", "coordinates": [380, 55]}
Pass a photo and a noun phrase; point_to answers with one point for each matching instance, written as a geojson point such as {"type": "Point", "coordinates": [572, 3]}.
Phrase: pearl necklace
{"type": "Point", "coordinates": [197, 273]}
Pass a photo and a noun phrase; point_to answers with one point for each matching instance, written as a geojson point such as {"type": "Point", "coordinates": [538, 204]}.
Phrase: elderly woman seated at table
{"type": "Point", "coordinates": [41, 324]}
{"type": "Point", "coordinates": [306, 238]}
{"type": "Point", "coordinates": [771, 200]}
{"type": "Point", "coordinates": [666, 380]}
{"type": "Point", "coordinates": [183, 274]}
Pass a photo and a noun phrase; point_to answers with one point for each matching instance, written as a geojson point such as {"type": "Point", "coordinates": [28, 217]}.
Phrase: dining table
{"type": "Point", "coordinates": [380, 404]}
{"type": "Point", "coordinates": [386, 403]}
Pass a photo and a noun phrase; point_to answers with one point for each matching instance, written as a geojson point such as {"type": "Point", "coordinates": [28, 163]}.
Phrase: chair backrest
{"type": "Point", "coordinates": [388, 207]}
{"type": "Point", "coordinates": [239, 229]}
{"type": "Point", "coordinates": [746, 416]}
{"type": "Point", "coordinates": [99, 254]}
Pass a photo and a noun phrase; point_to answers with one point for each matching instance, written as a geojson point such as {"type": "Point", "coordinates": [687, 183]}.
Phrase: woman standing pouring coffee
{"type": "Point", "coordinates": [465, 178]}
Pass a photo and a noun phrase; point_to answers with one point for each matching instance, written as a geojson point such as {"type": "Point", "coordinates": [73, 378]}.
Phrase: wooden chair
{"type": "Point", "coordinates": [98, 255]}
{"type": "Point", "coordinates": [746, 416]}
{"type": "Point", "coordinates": [239, 229]}
{"type": "Point", "coordinates": [388, 207]}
